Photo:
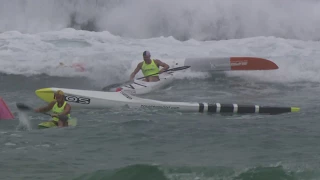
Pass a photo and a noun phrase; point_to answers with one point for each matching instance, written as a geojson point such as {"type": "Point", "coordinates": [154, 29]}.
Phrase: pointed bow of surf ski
{"type": "Point", "coordinates": [101, 100]}
{"type": "Point", "coordinates": [204, 64]}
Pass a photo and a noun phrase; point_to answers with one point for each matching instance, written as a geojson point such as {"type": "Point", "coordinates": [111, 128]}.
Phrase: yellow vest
{"type": "Point", "coordinates": [148, 69]}
{"type": "Point", "coordinates": [58, 110]}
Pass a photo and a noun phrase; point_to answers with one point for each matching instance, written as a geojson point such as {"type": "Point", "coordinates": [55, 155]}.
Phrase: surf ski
{"type": "Point", "coordinates": [101, 100]}
{"type": "Point", "coordinates": [205, 64]}
{"type": "Point", "coordinates": [50, 124]}
{"type": "Point", "coordinates": [139, 86]}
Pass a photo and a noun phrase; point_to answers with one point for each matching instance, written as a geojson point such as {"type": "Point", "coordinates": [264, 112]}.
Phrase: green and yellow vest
{"type": "Point", "coordinates": [148, 69]}
{"type": "Point", "coordinates": [58, 110]}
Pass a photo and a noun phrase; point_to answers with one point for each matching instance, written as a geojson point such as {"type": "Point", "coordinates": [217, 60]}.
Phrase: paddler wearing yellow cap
{"type": "Point", "coordinates": [149, 67]}
{"type": "Point", "coordinates": [58, 107]}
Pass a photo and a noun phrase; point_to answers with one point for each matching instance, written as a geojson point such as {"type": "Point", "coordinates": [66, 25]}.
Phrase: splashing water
{"type": "Point", "coordinates": [183, 20]}
{"type": "Point", "coordinates": [24, 123]}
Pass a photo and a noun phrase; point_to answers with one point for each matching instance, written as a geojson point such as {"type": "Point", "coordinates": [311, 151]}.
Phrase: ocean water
{"type": "Point", "coordinates": [108, 38]}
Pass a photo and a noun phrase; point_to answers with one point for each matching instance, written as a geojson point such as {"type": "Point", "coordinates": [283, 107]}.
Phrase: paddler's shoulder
{"type": "Point", "coordinates": [68, 105]}
{"type": "Point", "coordinates": [140, 64]}
{"type": "Point", "coordinates": [157, 61]}
{"type": "Point", "coordinates": [53, 102]}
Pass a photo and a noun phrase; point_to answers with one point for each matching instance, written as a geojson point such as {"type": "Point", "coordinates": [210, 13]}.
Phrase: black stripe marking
{"type": "Point", "coordinates": [201, 107]}
{"type": "Point", "coordinates": [229, 108]}
{"type": "Point", "coordinates": [226, 108]}
{"type": "Point", "coordinates": [129, 86]}
{"type": "Point", "coordinates": [139, 84]}
{"type": "Point", "coordinates": [212, 108]}
{"type": "Point", "coordinates": [246, 109]}
{"type": "Point", "coordinates": [274, 110]}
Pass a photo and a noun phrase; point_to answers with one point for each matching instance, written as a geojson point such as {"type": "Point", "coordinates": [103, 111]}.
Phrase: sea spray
{"type": "Point", "coordinates": [183, 20]}
{"type": "Point", "coordinates": [24, 123]}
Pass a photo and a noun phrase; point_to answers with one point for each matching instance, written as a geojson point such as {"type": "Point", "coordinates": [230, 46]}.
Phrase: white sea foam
{"type": "Point", "coordinates": [110, 58]}
{"type": "Point", "coordinates": [182, 19]}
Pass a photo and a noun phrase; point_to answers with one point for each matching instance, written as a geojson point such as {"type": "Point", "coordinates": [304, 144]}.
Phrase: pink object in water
{"type": "Point", "coordinates": [79, 67]}
{"type": "Point", "coordinates": [5, 112]}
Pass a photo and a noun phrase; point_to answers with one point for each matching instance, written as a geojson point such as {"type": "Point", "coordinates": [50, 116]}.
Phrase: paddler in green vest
{"type": "Point", "coordinates": [149, 67]}
{"type": "Point", "coordinates": [58, 107]}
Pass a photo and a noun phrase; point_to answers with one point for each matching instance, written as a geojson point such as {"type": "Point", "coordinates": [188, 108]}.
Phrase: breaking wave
{"type": "Point", "coordinates": [183, 20]}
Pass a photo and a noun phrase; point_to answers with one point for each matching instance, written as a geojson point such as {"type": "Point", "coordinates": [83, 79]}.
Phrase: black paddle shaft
{"type": "Point", "coordinates": [24, 107]}
{"type": "Point", "coordinates": [121, 84]}
{"type": "Point", "coordinates": [173, 69]}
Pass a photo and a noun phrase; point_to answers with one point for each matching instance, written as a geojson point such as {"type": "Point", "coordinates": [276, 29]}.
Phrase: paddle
{"type": "Point", "coordinates": [173, 69]}
{"type": "Point", "coordinates": [121, 84]}
{"type": "Point", "coordinates": [24, 107]}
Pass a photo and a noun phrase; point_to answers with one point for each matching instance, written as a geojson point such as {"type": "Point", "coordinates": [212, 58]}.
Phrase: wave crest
{"type": "Point", "coordinates": [205, 20]}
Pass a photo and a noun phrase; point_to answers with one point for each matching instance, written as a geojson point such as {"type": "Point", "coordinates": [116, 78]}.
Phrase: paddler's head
{"type": "Point", "coordinates": [59, 96]}
{"type": "Point", "coordinates": [146, 56]}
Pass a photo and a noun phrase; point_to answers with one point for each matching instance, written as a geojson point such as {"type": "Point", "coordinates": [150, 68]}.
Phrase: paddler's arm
{"type": "Point", "coordinates": [46, 108]}
{"type": "Point", "coordinates": [133, 74]}
{"type": "Point", "coordinates": [164, 65]}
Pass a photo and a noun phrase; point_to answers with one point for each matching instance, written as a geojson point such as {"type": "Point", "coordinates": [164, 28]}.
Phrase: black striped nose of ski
{"type": "Point", "coordinates": [235, 108]}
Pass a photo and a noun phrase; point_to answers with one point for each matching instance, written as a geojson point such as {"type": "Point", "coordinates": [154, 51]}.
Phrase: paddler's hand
{"type": "Point", "coordinates": [54, 115]}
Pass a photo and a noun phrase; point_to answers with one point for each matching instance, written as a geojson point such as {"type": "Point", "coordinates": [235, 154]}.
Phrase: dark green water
{"type": "Point", "coordinates": [126, 144]}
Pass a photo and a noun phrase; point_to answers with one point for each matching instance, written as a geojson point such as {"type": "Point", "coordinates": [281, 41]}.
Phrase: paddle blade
{"type": "Point", "coordinates": [23, 107]}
